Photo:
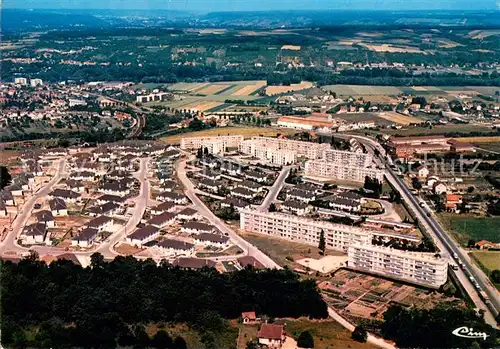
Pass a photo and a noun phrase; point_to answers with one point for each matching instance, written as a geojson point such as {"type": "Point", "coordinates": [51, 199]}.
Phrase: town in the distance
{"type": "Point", "coordinates": [282, 212]}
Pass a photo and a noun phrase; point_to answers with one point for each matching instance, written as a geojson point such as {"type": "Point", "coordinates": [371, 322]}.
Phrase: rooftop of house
{"type": "Point", "coordinates": [175, 244]}
{"type": "Point", "coordinates": [271, 331]}
{"type": "Point", "coordinates": [194, 263]}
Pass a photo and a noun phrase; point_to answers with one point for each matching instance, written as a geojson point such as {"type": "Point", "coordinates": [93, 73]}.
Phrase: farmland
{"type": "Point", "coordinates": [465, 227]}
{"type": "Point", "coordinates": [247, 132]}
{"type": "Point", "coordinates": [489, 259]}
{"type": "Point", "coordinates": [399, 118]}
{"type": "Point", "coordinates": [274, 90]}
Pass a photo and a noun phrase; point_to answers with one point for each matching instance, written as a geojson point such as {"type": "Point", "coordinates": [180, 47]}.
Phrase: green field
{"type": "Point", "coordinates": [436, 130]}
{"type": "Point", "coordinates": [367, 90]}
{"type": "Point", "coordinates": [487, 261]}
{"type": "Point", "coordinates": [464, 227]}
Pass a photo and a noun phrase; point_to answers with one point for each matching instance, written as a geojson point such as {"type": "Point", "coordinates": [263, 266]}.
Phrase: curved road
{"type": "Point", "coordinates": [10, 241]}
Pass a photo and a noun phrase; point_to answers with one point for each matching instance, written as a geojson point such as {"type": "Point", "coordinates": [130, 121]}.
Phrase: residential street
{"type": "Point", "coordinates": [247, 248]}
{"type": "Point", "coordinates": [141, 202]}
{"type": "Point", "coordinates": [275, 189]}
{"type": "Point", "coordinates": [9, 244]}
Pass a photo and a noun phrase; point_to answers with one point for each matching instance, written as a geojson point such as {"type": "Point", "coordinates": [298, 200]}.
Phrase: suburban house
{"type": "Point", "coordinates": [452, 201]}
{"type": "Point", "coordinates": [209, 184]}
{"type": "Point", "coordinates": [85, 176]}
{"type": "Point", "coordinates": [188, 214]}
{"type": "Point", "coordinates": [163, 219]}
{"type": "Point", "coordinates": [58, 207]}
{"type": "Point", "coordinates": [271, 335]}
{"type": "Point", "coordinates": [168, 185]}
{"type": "Point", "coordinates": [3, 208]}
{"type": "Point", "coordinates": [66, 195]}
{"type": "Point", "coordinates": [439, 188]}
{"type": "Point", "coordinates": [176, 247]}
{"type": "Point", "coordinates": [35, 233]}
{"type": "Point", "coordinates": [193, 227]}
{"type": "Point", "coordinates": [75, 185]}
{"type": "Point", "coordinates": [85, 238]}
{"type": "Point", "coordinates": [210, 174]}
{"type": "Point", "coordinates": [486, 245]}
{"type": "Point", "coordinates": [101, 223]}
{"type": "Point", "coordinates": [300, 195]}
{"type": "Point", "coordinates": [252, 186]}
{"type": "Point", "coordinates": [143, 235]}
{"type": "Point", "coordinates": [250, 261]}
{"type": "Point", "coordinates": [242, 193]}
{"type": "Point", "coordinates": [176, 198]}
{"type": "Point", "coordinates": [15, 190]}
{"type": "Point", "coordinates": [163, 207]}
{"type": "Point", "coordinates": [255, 176]}
{"type": "Point", "coordinates": [249, 318]}
{"type": "Point", "coordinates": [343, 204]}
{"type": "Point", "coordinates": [109, 208]}
{"type": "Point", "coordinates": [7, 198]}
{"type": "Point", "coordinates": [208, 239]}
{"type": "Point", "coordinates": [116, 175]}
{"type": "Point", "coordinates": [238, 204]}
{"type": "Point", "coordinates": [46, 218]}
{"type": "Point", "coordinates": [110, 198]}
{"type": "Point", "coordinates": [297, 207]}
{"type": "Point", "coordinates": [114, 189]}
{"type": "Point", "coordinates": [193, 263]}
{"type": "Point", "coordinates": [422, 172]}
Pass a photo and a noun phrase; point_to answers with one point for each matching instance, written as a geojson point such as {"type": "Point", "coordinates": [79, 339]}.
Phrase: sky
{"type": "Point", "coordinates": [255, 5]}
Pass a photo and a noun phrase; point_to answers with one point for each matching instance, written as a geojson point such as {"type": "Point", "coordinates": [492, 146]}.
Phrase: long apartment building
{"type": "Point", "coordinates": [215, 144]}
{"type": "Point", "coordinates": [415, 267]}
{"type": "Point", "coordinates": [338, 237]}
{"type": "Point", "coordinates": [348, 158]}
{"type": "Point", "coordinates": [271, 155]}
{"type": "Point", "coordinates": [305, 149]}
{"type": "Point", "coordinates": [421, 268]}
{"type": "Point", "coordinates": [341, 171]}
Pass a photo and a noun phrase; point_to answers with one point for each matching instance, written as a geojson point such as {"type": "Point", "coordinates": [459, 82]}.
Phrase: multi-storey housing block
{"type": "Point", "coordinates": [305, 149]}
{"type": "Point", "coordinates": [303, 230]}
{"type": "Point", "coordinates": [426, 269]}
{"type": "Point", "coordinates": [216, 144]}
{"type": "Point", "coordinates": [274, 156]}
{"type": "Point", "coordinates": [348, 158]}
{"type": "Point", "coordinates": [340, 171]}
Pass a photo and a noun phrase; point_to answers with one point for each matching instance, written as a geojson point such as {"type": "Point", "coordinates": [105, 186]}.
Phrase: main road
{"type": "Point", "coordinates": [447, 245]}
{"type": "Point", "coordinates": [247, 248]}
{"type": "Point", "coordinates": [9, 244]}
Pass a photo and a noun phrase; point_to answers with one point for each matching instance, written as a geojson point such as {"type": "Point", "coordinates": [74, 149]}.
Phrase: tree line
{"type": "Point", "coordinates": [107, 303]}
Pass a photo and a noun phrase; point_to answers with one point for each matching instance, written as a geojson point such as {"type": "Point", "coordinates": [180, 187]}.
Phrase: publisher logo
{"type": "Point", "coordinates": [468, 332]}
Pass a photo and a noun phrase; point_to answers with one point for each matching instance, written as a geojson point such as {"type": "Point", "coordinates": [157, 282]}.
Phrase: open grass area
{"type": "Point", "coordinates": [490, 259]}
{"type": "Point", "coordinates": [492, 147]}
{"type": "Point", "coordinates": [246, 131]}
{"type": "Point", "coordinates": [465, 227]}
{"type": "Point", "coordinates": [285, 252]}
{"type": "Point", "coordinates": [327, 334]}
{"type": "Point", "coordinates": [487, 261]}
{"type": "Point", "coordinates": [436, 130]}
{"type": "Point", "coordinates": [223, 339]}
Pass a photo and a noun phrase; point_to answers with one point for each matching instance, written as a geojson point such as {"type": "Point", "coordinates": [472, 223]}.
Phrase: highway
{"type": "Point", "coordinates": [275, 189]}
{"type": "Point", "coordinates": [9, 244]}
{"type": "Point", "coordinates": [445, 243]}
{"type": "Point", "coordinates": [247, 248]}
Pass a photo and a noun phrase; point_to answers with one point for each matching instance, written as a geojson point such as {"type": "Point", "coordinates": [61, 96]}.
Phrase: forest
{"type": "Point", "coordinates": [107, 304]}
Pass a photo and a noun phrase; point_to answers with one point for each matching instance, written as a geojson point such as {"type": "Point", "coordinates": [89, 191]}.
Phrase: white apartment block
{"type": "Point", "coordinates": [416, 267]}
{"type": "Point", "coordinates": [348, 158]}
{"type": "Point", "coordinates": [273, 156]}
{"type": "Point", "coordinates": [217, 142]}
{"type": "Point", "coordinates": [153, 97]}
{"type": "Point", "coordinates": [306, 149]}
{"type": "Point", "coordinates": [21, 81]}
{"type": "Point", "coordinates": [338, 237]}
{"type": "Point", "coordinates": [36, 82]}
{"type": "Point", "coordinates": [323, 168]}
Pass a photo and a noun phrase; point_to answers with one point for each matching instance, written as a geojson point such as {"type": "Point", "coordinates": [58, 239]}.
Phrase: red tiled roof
{"type": "Point", "coordinates": [249, 315]}
{"type": "Point", "coordinates": [482, 242]}
{"type": "Point", "coordinates": [271, 331]}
